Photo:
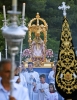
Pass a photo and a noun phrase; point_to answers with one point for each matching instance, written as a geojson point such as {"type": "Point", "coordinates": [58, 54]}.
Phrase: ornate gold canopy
{"type": "Point", "coordinates": [38, 51]}
{"type": "Point", "coordinates": [38, 28]}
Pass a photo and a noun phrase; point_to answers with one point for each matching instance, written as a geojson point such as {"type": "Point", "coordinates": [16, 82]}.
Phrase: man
{"type": "Point", "coordinates": [32, 78]}
{"type": "Point", "coordinates": [19, 93]}
{"type": "Point", "coordinates": [42, 88]}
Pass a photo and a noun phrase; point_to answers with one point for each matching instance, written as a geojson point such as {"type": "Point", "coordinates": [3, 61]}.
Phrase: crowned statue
{"type": "Point", "coordinates": [38, 47]}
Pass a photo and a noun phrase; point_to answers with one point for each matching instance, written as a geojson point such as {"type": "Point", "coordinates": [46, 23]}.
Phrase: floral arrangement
{"type": "Point", "coordinates": [26, 53]}
{"type": "Point", "coordinates": [49, 53]}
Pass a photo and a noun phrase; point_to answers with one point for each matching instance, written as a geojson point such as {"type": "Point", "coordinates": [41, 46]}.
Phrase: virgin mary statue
{"type": "Point", "coordinates": [38, 47]}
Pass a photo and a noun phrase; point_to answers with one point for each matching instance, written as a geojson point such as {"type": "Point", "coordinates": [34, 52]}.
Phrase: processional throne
{"type": "Point", "coordinates": [38, 27]}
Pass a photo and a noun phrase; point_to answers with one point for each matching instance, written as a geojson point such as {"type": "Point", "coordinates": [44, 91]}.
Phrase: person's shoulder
{"type": "Point", "coordinates": [36, 72]}
{"type": "Point", "coordinates": [19, 87]}
{"type": "Point", "coordinates": [26, 72]}
{"type": "Point", "coordinates": [51, 71]}
{"type": "Point", "coordinates": [56, 93]}
{"type": "Point", "coordinates": [47, 84]}
{"type": "Point", "coordinates": [21, 75]}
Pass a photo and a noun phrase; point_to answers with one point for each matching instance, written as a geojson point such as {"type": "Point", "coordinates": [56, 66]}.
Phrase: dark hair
{"type": "Point", "coordinates": [30, 63]}
{"type": "Point", "coordinates": [52, 86]}
{"type": "Point", "coordinates": [4, 61]}
{"type": "Point", "coordinates": [42, 75]}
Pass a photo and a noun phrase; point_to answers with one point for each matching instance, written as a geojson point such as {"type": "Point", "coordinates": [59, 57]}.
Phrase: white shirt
{"type": "Point", "coordinates": [42, 95]}
{"type": "Point", "coordinates": [19, 93]}
{"type": "Point", "coordinates": [51, 78]}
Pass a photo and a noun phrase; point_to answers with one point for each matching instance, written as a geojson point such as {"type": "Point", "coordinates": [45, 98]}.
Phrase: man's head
{"type": "Point", "coordinates": [42, 78]}
{"type": "Point", "coordinates": [5, 69]}
{"type": "Point", "coordinates": [30, 65]}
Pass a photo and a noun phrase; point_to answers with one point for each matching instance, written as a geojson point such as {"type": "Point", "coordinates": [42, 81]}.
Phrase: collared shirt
{"type": "Point", "coordinates": [19, 93]}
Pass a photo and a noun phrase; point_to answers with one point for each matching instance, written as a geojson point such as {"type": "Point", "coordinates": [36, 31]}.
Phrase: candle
{"type": "Point", "coordinates": [4, 12]}
{"type": "Point", "coordinates": [14, 2]}
{"type": "Point", "coordinates": [23, 10]}
{"type": "Point", "coordinates": [0, 56]}
{"type": "Point", "coordinates": [14, 5]}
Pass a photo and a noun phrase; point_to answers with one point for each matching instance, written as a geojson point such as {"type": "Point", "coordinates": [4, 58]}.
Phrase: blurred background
{"type": "Point", "coordinates": [48, 10]}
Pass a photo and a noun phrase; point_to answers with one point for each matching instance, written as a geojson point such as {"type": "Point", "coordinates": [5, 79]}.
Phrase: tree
{"type": "Point", "coordinates": [2, 42]}
{"type": "Point", "coordinates": [34, 6]}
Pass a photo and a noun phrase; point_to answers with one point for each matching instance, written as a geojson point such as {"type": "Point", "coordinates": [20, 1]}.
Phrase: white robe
{"type": "Point", "coordinates": [34, 74]}
{"type": "Point", "coordinates": [22, 80]}
{"type": "Point", "coordinates": [51, 78]}
{"type": "Point", "coordinates": [52, 96]}
{"type": "Point", "coordinates": [42, 95]}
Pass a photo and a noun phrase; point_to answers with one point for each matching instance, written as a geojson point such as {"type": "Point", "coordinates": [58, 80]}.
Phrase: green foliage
{"type": "Point", "coordinates": [1, 37]}
{"type": "Point", "coordinates": [53, 44]}
{"type": "Point", "coordinates": [34, 6]}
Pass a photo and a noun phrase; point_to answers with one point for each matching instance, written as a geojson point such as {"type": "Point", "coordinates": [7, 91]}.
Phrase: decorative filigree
{"type": "Point", "coordinates": [66, 73]}
{"type": "Point", "coordinates": [37, 28]}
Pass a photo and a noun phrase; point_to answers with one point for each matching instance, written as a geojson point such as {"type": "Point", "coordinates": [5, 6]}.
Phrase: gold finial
{"type": "Point", "coordinates": [37, 15]}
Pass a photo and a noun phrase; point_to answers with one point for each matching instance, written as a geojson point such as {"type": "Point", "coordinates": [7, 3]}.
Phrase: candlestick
{"type": "Point", "coordinates": [23, 10]}
{"type": "Point", "coordinates": [13, 35]}
{"type": "Point", "coordinates": [4, 12]}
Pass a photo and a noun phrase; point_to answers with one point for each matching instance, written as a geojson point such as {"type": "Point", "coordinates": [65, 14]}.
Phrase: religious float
{"type": "Point", "coordinates": [37, 51]}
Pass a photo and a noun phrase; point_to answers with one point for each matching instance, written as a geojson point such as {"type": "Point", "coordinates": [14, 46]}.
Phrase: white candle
{"type": "Point", "coordinates": [14, 5]}
{"type": "Point", "coordinates": [0, 56]}
{"type": "Point", "coordinates": [23, 10]}
{"type": "Point", "coordinates": [14, 2]}
{"type": "Point", "coordinates": [4, 12]}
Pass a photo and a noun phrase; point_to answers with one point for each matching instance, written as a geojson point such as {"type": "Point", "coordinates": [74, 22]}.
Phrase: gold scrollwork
{"type": "Point", "coordinates": [37, 28]}
{"type": "Point", "coordinates": [66, 75]}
